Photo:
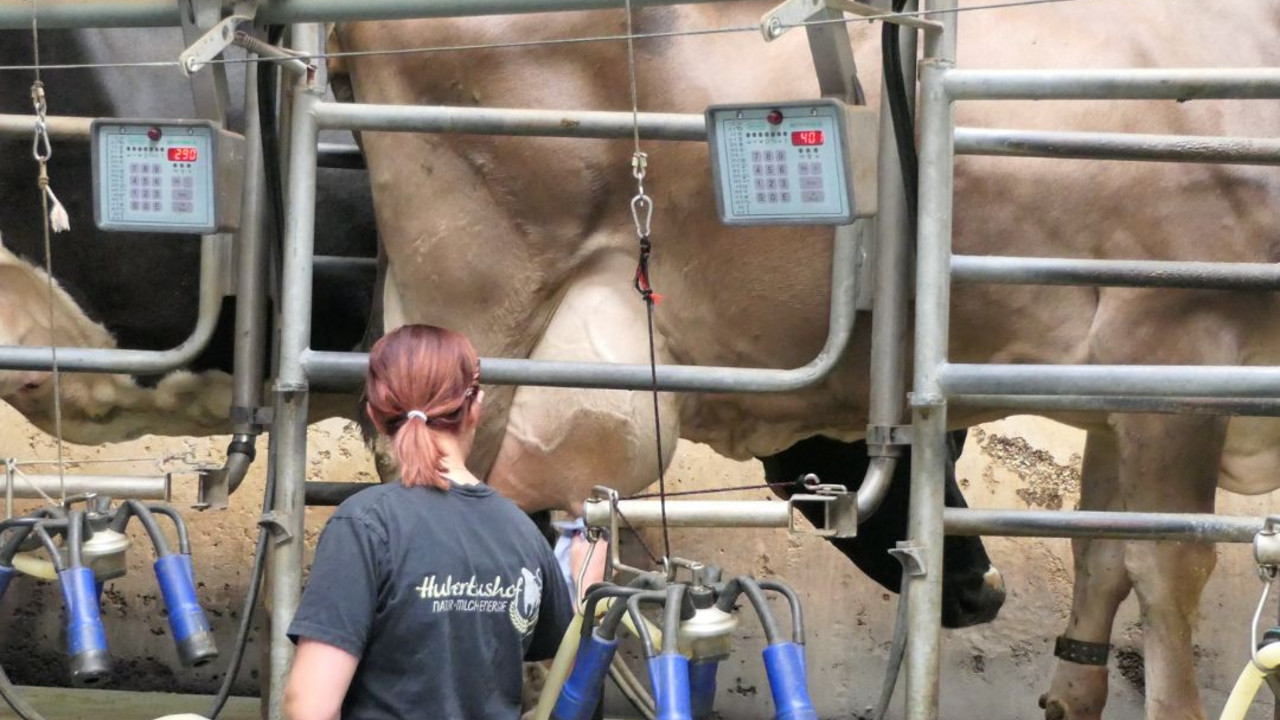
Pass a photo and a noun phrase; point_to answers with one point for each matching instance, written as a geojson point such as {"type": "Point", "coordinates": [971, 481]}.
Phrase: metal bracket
{"type": "Point", "coordinates": [212, 44]}
{"type": "Point", "coordinates": [889, 435]}
{"type": "Point", "coordinates": [259, 416]}
{"type": "Point", "coordinates": [209, 89]}
{"type": "Point", "coordinates": [840, 511]}
{"type": "Point", "coordinates": [614, 564]}
{"type": "Point", "coordinates": [911, 556]}
{"type": "Point", "coordinates": [1266, 544]}
{"type": "Point", "coordinates": [775, 23]}
{"type": "Point", "coordinates": [274, 525]}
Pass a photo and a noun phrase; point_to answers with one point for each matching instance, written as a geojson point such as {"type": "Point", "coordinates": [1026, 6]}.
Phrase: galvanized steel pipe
{"type": "Point", "coordinates": [510, 122]}
{"type": "Point", "coordinates": [124, 487]}
{"type": "Point", "coordinates": [996, 269]}
{"type": "Point", "coordinates": [60, 127]}
{"type": "Point", "coordinates": [1184, 381]}
{"type": "Point", "coordinates": [335, 370]}
{"type": "Point", "coordinates": [1126, 84]}
{"type": "Point", "coordinates": [16, 14]}
{"type": "Point", "coordinates": [1117, 146]}
{"type": "Point", "coordinates": [1187, 527]}
{"type": "Point", "coordinates": [213, 253]}
{"type": "Point", "coordinates": [693, 513]}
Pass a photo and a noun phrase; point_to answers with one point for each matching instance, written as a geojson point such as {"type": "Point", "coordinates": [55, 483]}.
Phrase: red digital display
{"type": "Point", "coordinates": [182, 154]}
{"type": "Point", "coordinates": [806, 138]}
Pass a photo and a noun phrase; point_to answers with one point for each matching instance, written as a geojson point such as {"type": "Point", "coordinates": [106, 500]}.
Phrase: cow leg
{"type": "Point", "coordinates": [1079, 689]}
{"type": "Point", "coordinates": [1170, 464]}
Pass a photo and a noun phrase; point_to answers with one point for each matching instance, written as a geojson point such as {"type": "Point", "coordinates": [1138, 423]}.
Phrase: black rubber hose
{"type": "Point", "coordinates": [131, 509]}
{"type": "Point", "coordinates": [613, 616]}
{"type": "Point", "coordinates": [756, 596]}
{"type": "Point", "coordinates": [793, 601]}
{"type": "Point", "coordinates": [42, 532]}
{"type": "Point", "coordinates": [642, 627]}
{"type": "Point", "coordinates": [15, 701]}
{"type": "Point", "coordinates": [184, 541]}
{"type": "Point", "coordinates": [11, 546]}
{"type": "Point", "coordinates": [900, 110]}
{"type": "Point", "coordinates": [250, 597]}
{"type": "Point", "coordinates": [896, 652]}
{"type": "Point", "coordinates": [595, 595]}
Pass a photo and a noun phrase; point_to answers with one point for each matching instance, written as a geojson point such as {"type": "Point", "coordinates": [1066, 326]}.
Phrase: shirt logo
{"type": "Point", "coordinates": [524, 609]}
{"type": "Point", "coordinates": [521, 599]}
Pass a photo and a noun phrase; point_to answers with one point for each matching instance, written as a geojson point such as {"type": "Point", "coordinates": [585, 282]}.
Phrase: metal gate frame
{"type": "Point", "coordinates": [1224, 390]}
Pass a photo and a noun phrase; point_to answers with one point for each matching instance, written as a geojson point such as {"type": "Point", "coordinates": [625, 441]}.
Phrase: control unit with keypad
{"type": "Point", "coordinates": [782, 163]}
{"type": "Point", "coordinates": [165, 176]}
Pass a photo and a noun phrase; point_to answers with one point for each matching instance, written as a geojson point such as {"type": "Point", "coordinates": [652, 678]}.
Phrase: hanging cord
{"type": "Point", "coordinates": [642, 214]}
{"type": "Point", "coordinates": [52, 220]}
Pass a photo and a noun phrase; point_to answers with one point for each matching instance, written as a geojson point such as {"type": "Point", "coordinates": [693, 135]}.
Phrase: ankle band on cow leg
{"type": "Point", "coordinates": [1080, 652]}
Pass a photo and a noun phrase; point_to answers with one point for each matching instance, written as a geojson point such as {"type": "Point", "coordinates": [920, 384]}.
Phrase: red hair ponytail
{"type": "Point", "coordinates": [422, 381]}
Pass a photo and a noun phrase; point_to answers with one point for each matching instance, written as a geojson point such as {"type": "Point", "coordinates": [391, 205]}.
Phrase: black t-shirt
{"type": "Point", "coordinates": [441, 595]}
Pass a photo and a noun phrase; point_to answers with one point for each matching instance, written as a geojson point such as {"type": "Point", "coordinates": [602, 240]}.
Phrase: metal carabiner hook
{"type": "Point", "coordinates": [41, 150]}
{"type": "Point", "coordinates": [642, 213]}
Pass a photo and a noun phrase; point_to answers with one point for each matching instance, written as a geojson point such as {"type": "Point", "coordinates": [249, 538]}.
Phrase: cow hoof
{"type": "Point", "coordinates": [1053, 710]}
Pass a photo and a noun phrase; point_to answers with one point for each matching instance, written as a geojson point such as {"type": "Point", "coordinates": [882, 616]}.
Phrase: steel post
{"type": "Point", "coordinates": [1117, 146]}
{"type": "Point", "coordinates": [290, 426]}
{"type": "Point", "coordinates": [929, 410]}
{"type": "Point", "coordinates": [1127, 84]}
{"type": "Point", "coordinates": [892, 284]}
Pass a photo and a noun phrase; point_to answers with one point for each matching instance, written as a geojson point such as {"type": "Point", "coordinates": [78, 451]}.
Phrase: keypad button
{"type": "Point", "coordinates": [757, 169]}
{"type": "Point", "coordinates": [759, 183]}
{"type": "Point", "coordinates": [182, 195]}
{"type": "Point", "coordinates": [812, 196]}
{"type": "Point", "coordinates": [175, 181]}
{"type": "Point", "coordinates": [815, 168]}
{"type": "Point", "coordinates": [155, 168]}
{"type": "Point", "coordinates": [155, 206]}
{"type": "Point", "coordinates": [133, 193]}
{"type": "Point", "coordinates": [760, 197]}
{"type": "Point", "coordinates": [133, 205]}
{"type": "Point", "coordinates": [768, 170]}
{"type": "Point", "coordinates": [134, 180]}
{"type": "Point", "coordinates": [755, 156]}
{"type": "Point", "coordinates": [771, 184]}
{"type": "Point", "coordinates": [773, 197]}
{"type": "Point", "coordinates": [802, 168]}
{"type": "Point", "coordinates": [783, 184]}
{"type": "Point", "coordinates": [784, 197]}
{"type": "Point", "coordinates": [810, 183]}
{"type": "Point", "coordinates": [782, 168]}
{"type": "Point", "coordinates": [188, 181]}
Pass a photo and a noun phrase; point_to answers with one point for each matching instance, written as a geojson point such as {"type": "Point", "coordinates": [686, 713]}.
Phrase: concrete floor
{"type": "Point", "coordinates": [65, 704]}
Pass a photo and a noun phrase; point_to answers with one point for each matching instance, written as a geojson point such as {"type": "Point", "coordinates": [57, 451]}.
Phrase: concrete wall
{"type": "Point", "coordinates": [996, 671]}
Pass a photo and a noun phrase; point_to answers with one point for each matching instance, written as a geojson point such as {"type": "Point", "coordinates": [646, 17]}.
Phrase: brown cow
{"type": "Point", "coordinates": [528, 246]}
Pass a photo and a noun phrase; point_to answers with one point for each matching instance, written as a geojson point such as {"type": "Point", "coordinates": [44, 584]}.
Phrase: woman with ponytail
{"type": "Point", "coordinates": [426, 594]}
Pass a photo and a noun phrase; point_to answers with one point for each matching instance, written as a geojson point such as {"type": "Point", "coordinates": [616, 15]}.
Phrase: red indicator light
{"type": "Point", "coordinates": [774, 117]}
{"type": "Point", "coordinates": [182, 153]}
{"type": "Point", "coordinates": [154, 134]}
{"type": "Point", "coordinates": [805, 138]}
